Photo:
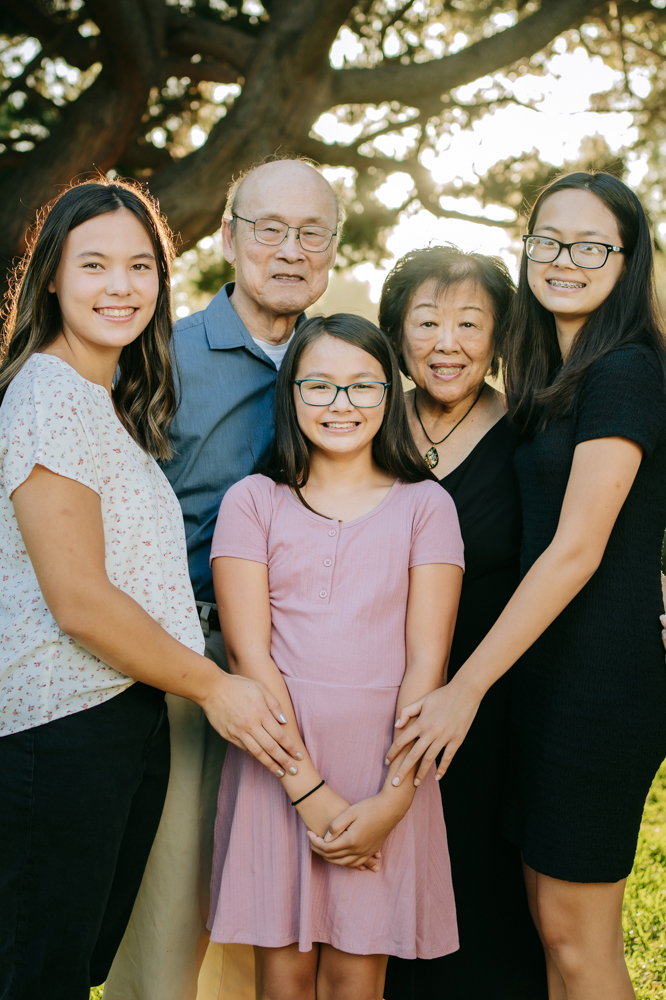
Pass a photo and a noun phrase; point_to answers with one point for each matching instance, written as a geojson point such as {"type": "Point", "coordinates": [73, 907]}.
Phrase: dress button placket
{"type": "Point", "coordinates": [326, 566]}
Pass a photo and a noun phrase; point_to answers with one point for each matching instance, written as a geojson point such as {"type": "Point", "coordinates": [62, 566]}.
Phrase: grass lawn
{"type": "Point", "coordinates": [645, 899]}
{"type": "Point", "coordinates": [644, 902]}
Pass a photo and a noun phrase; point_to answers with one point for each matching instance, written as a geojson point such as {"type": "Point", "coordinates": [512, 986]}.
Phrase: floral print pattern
{"type": "Point", "coordinates": [52, 416]}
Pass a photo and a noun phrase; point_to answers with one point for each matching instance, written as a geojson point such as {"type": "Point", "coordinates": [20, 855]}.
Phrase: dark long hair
{"type": "Point", "coordinates": [393, 448]}
{"type": "Point", "coordinates": [447, 265]}
{"type": "Point", "coordinates": [539, 388]}
{"type": "Point", "coordinates": [144, 393]}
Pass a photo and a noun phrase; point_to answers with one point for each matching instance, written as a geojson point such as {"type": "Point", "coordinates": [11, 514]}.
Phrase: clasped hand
{"type": "Point", "coordinates": [355, 837]}
{"type": "Point", "coordinates": [441, 720]}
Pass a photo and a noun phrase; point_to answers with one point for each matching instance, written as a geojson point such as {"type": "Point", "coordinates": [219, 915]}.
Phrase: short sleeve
{"type": "Point", "coordinates": [47, 421]}
{"type": "Point", "coordinates": [623, 395]}
{"type": "Point", "coordinates": [243, 522]}
{"type": "Point", "coordinates": [436, 534]}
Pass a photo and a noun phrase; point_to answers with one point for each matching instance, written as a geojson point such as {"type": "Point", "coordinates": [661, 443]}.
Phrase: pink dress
{"type": "Point", "coordinates": [338, 595]}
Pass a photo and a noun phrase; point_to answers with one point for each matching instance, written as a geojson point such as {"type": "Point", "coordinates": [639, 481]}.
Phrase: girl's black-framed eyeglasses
{"type": "Point", "coordinates": [583, 253]}
{"type": "Point", "coordinates": [364, 395]}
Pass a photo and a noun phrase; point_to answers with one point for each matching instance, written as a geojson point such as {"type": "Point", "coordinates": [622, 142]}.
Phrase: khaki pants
{"type": "Point", "coordinates": [166, 941]}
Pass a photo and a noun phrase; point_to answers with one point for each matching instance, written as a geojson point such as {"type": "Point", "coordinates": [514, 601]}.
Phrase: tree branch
{"type": "Point", "coordinates": [103, 120]}
{"type": "Point", "coordinates": [213, 71]}
{"type": "Point", "coordinates": [446, 213]}
{"type": "Point", "coordinates": [421, 84]}
{"type": "Point", "coordinates": [198, 36]}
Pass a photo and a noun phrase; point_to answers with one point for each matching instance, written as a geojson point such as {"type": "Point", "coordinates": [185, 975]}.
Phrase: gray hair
{"type": "Point", "coordinates": [237, 183]}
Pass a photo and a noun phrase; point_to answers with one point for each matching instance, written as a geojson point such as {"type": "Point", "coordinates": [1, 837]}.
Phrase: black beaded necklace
{"type": "Point", "coordinates": [432, 455]}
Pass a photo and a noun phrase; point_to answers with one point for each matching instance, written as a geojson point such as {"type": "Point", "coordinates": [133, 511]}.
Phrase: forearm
{"type": "Point", "coordinates": [112, 626]}
{"type": "Point", "coordinates": [549, 586]}
{"type": "Point", "coordinates": [261, 667]}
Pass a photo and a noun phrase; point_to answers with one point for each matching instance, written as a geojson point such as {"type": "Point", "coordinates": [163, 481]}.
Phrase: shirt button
{"type": "Point", "coordinates": [332, 532]}
{"type": "Point", "coordinates": [323, 593]}
{"type": "Point", "coordinates": [328, 562]}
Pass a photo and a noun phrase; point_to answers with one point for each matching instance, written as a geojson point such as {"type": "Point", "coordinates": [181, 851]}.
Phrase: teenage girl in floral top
{"type": "Point", "coordinates": [96, 609]}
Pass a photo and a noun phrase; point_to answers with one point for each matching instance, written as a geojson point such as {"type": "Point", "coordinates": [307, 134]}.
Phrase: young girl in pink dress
{"type": "Point", "coordinates": [337, 576]}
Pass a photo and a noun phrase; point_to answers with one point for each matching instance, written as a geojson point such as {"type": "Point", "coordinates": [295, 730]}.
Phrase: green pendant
{"type": "Point", "coordinates": [431, 457]}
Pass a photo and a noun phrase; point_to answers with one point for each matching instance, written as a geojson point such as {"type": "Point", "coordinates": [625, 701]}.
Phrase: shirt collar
{"type": "Point", "coordinates": [225, 329]}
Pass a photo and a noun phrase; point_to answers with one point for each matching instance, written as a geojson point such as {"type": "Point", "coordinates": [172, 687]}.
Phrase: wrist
{"type": "Point", "coordinates": [392, 804]}
{"type": "Point", "coordinates": [467, 681]}
{"type": "Point", "coordinates": [205, 681]}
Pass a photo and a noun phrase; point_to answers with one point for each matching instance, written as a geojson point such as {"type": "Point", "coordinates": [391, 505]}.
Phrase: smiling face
{"type": "Point", "coordinates": [570, 292]}
{"type": "Point", "coordinates": [282, 280]}
{"type": "Point", "coordinates": [447, 340]}
{"type": "Point", "coordinates": [340, 428]}
{"type": "Point", "coordinates": [107, 282]}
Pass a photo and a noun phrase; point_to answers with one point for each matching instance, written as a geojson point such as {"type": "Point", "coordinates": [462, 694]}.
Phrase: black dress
{"type": "Point", "coordinates": [589, 697]}
{"type": "Point", "coordinates": [500, 956]}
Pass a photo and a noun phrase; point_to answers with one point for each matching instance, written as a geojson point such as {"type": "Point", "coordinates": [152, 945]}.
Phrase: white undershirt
{"type": "Point", "coordinates": [275, 352]}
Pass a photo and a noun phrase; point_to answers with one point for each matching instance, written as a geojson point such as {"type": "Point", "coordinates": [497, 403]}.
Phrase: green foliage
{"type": "Point", "coordinates": [37, 84]}
{"type": "Point", "coordinates": [645, 899]}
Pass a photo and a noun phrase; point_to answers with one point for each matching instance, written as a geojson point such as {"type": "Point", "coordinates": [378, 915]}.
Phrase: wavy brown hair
{"type": "Point", "coordinates": [144, 392]}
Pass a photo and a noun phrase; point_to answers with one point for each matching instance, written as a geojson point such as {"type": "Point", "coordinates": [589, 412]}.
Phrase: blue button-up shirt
{"type": "Point", "coordinates": [224, 423]}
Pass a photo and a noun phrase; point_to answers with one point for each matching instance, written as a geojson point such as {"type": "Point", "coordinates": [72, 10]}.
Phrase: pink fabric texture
{"type": "Point", "coordinates": [338, 595]}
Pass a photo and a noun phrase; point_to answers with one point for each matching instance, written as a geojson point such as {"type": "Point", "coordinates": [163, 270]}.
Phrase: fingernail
{"type": "Point", "coordinates": [298, 756]}
{"type": "Point", "coordinates": [417, 781]}
{"type": "Point", "coordinates": [438, 777]}
{"type": "Point", "coordinates": [328, 836]}
{"type": "Point", "coordinates": [293, 770]}
{"type": "Point", "coordinates": [396, 781]}
{"type": "Point", "coordinates": [280, 773]}
{"type": "Point", "coordinates": [662, 619]}
{"type": "Point", "coordinates": [283, 719]}
{"type": "Point", "coordinates": [387, 762]}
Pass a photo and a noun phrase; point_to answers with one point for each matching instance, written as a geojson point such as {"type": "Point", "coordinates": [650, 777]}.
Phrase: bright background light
{"type": "Point", "coordinates": [555, 130]}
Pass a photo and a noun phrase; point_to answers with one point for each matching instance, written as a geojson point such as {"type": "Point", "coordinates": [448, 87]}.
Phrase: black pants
{"type": "Point", "coordinates": [80, 802]}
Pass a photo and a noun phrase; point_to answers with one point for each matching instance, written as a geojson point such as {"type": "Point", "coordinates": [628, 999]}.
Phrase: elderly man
{"type": "Point", "coordinates": [280, 232]}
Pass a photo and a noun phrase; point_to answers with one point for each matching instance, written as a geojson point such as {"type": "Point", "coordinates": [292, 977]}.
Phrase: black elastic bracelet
{"type": "Point", "coordinates": [322, 782]}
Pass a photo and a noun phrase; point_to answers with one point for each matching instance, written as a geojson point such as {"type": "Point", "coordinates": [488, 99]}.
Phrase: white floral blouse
{"type": "Point", "coordinates": [51, 416]}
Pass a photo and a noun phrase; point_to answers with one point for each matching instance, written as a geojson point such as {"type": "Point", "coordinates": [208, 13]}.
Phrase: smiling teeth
{"type": "Point", "coordinates": [567, 284]}
{"type": "Point", "coordinates": [350, 423]}
{"type": "Point", "coordinates": [116, 312]}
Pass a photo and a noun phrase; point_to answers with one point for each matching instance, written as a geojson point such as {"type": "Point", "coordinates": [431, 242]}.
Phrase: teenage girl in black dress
{"type": "Point", "coordinates": [586, 388]}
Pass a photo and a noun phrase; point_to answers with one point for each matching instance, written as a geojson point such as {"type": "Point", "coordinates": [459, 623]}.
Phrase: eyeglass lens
{"type": "Point", "coordinates": [272, 233]}
{"type": "Point", "coordinates": [324, 393]}
{"type": "Point", "coordinates": [544, 250]}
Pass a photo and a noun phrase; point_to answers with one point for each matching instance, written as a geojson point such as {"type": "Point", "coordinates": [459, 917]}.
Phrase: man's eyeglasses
{"type": "Point", "coordinates": [545, 249]}
{"type": "Point", "coordinates": [272, 233]}
{"type": "Point", "coordinates": [314, 392]}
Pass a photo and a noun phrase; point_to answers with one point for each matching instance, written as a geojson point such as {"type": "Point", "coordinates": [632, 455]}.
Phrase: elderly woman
{"type": "Point", "coordinates": [445, 312]}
